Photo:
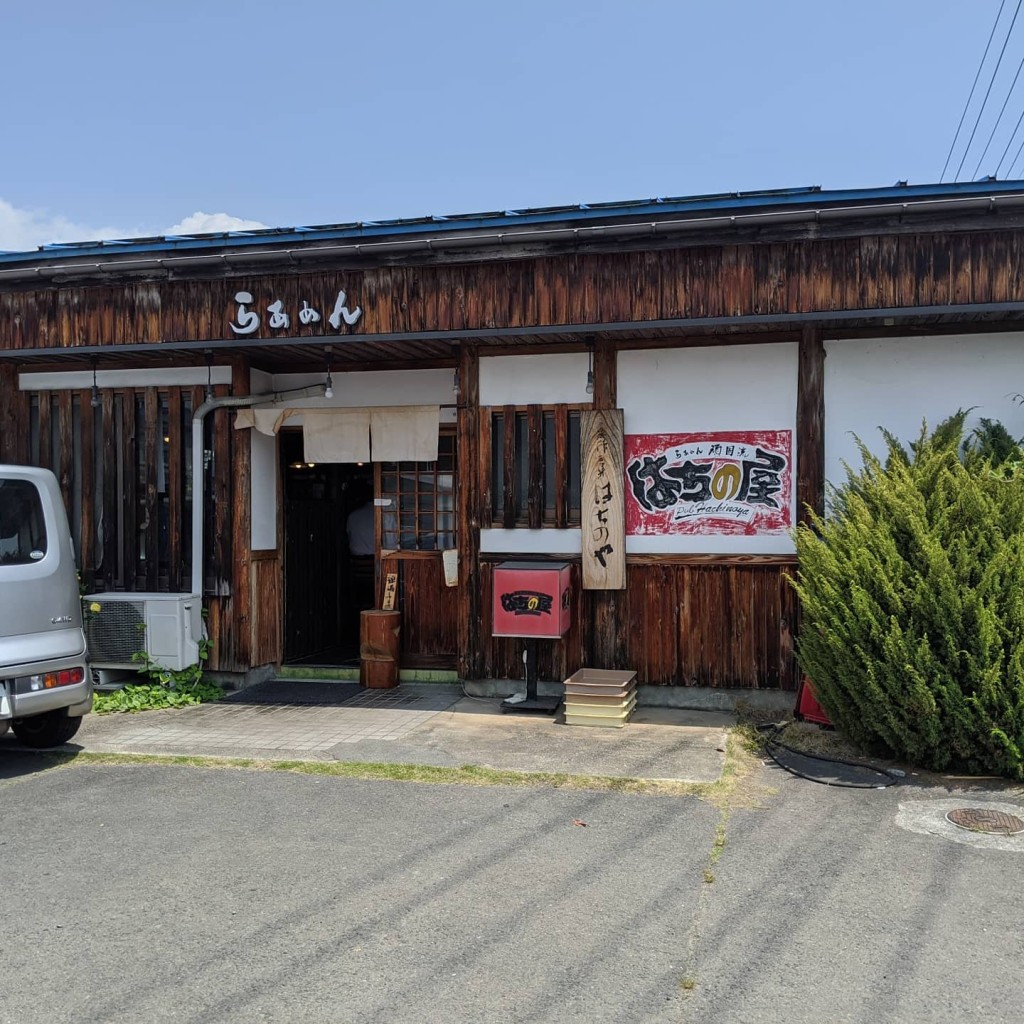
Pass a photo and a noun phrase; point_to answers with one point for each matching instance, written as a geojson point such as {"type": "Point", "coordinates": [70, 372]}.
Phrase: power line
{"type": "Point", "coordinates": [1009, 170]}
{"type": "Point", "coordinates": [992, 80]}
{"type": "Point", "coordinates": [970, 97]}
{"type": "Point", "coordinates": [1009, 143]}
{"type": "Point", "coordinates": [999, 118]}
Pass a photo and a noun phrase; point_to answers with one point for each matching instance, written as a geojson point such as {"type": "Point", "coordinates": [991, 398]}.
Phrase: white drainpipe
{"type": "Point", "coordinates": [199, 463]}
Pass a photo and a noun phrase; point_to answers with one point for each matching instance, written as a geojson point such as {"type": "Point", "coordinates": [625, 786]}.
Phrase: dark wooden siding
{"type": "Point", "coordinates": [681, 622]}
{"type": "Point", "coordinates": [819, 275]}
{"type": "Point", "coordinates": [265, 569]}
{"type": "Point", "coordinates": [131, 532]}
{"type": "Point", "coordinates": [430, 610]}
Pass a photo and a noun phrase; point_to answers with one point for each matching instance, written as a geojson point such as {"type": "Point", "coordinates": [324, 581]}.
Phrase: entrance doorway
{"type": "Point", "coordinates": [327, 583]}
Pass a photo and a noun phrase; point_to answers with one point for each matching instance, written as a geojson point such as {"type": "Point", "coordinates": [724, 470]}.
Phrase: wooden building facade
{"type": "Point", "coordinates": [707, 321]}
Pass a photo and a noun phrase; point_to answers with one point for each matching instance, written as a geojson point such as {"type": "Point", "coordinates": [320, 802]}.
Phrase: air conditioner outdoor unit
{"type": "Point", "coordinates": [166, 626]}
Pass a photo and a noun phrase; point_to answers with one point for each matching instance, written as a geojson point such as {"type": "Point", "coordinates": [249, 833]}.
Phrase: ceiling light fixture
{"type": "Point", "coordinates": [95, 400]}
{"type": "Point", "coordinates": [328, 383]}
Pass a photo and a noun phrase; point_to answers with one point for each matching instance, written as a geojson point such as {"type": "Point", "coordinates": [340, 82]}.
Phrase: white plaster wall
{"type": "Point", "coordinates": [559, 378]}
{"type": "Point", "coordinates": [531, 542]}
{"type": "Point", "coordinates": [712, 388]}
{"type": "Point", "coordinates": [170, 376]}
{"type": "Point", "coordinates": [898, 382]}
{"type": "Point", "coordinates": [263, 493]}
{"type": "Point", "coordinates": [372, 388]}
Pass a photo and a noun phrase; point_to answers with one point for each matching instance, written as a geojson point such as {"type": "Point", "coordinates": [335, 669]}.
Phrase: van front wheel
{"type": "Point", "coordinates": [47, 730]}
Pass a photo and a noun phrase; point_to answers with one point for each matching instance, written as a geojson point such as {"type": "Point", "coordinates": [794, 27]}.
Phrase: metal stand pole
{"type": "Point", "coordinates": [531, 702]}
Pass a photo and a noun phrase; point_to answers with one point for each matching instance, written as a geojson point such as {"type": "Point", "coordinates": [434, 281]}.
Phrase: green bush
{"type": "Point", "coordinates": [153, 697]}
{"type": "Point", "coordinates": [913, 604]}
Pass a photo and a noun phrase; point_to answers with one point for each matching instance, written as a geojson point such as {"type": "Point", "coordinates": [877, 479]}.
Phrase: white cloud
{"type": "Point", "coordinates": [23, 230]}
{"type": "Point", "coordinates": [199, 223]}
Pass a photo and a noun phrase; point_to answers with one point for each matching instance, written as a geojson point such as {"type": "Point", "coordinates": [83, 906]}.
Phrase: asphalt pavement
{"type": "Point", "coordinates": [145, 892]}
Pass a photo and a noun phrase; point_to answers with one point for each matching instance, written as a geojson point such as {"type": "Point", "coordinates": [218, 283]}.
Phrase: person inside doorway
{"type": "Point", "coordinates": [360, 525]}
{"type": "Point", "coordinates": [362, 543]}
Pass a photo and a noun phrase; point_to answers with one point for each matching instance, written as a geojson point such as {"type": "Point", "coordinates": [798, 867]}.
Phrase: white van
{"type": "Point", "coordinates": [45, 686]}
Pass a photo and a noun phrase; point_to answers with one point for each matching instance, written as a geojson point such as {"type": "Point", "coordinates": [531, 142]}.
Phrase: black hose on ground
{"type": "Point", "coordinates": [772, 740]}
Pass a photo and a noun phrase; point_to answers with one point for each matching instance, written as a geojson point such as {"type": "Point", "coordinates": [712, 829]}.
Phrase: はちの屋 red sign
{"type": "Point", "coordinates": [730, 482]}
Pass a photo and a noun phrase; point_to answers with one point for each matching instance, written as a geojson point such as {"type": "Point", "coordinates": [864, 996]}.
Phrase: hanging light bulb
{"type": "Point", "coordinates": [328, 383]}
{"type": "Point", "coordinates": [209, 375]}
{"type": "Point", "coordinates": [590, 365]}
{"type": "Point", "coordinates": [95, 400]}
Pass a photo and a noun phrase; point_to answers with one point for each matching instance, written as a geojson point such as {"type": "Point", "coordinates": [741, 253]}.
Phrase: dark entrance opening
{"type": "Point", "coordinates": [326, 584]}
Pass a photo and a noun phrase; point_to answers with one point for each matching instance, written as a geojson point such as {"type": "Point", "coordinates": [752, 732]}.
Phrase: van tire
{"type": "Point", "coordinates": [47, 730]}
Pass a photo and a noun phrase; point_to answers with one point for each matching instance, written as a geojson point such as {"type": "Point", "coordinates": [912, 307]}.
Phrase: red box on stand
{"type": "Point", "coordinates": [531, 599]}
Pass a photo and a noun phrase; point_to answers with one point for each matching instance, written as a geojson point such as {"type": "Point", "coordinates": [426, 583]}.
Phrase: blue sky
{"type": "Point", "coordinates": [132, 118]}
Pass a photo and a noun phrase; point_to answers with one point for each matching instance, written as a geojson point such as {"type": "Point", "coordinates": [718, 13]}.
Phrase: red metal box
{"type": "Point", "coordinates": [531, 599]}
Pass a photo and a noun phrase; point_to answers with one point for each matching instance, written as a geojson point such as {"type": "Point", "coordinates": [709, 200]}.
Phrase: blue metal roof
{"type": "Point", "coordinates": [511, 219]}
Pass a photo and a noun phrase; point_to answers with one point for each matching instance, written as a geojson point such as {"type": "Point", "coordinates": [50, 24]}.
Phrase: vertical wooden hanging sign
{"type": "Point", "coordinates": [603, 500]}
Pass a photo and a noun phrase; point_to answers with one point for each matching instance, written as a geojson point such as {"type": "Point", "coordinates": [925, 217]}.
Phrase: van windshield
{"type": "Point", "coordinates": [22, 530]}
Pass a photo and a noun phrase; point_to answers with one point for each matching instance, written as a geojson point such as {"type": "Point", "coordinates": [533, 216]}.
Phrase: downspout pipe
{"type": "Point", "coordinates": [199, 462]}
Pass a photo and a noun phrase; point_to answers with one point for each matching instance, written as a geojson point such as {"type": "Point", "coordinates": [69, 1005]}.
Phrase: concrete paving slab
{"type": "Point", "coordinates": [435, 725]}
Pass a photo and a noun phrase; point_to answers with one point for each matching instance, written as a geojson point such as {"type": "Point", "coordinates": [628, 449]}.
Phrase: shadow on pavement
{"type": "Point", "coordinates": [17, 761]}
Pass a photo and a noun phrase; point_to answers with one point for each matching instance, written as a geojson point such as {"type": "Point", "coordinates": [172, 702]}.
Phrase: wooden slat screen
{"type": "Point", "coordinates": [531, 466]}
{"type": "Point", "coordinates": [125, 469]}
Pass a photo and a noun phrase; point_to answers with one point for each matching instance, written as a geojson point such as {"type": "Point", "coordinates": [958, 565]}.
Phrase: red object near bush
{"type": "Point", "coordinates": [807, 706]}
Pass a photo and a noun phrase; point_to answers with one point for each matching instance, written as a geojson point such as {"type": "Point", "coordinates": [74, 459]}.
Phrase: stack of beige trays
{"type": "Point", "coordinates": [597, 696]}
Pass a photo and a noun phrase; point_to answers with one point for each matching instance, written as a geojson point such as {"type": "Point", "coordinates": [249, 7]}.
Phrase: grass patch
{"type": "Point", "coordinates": [812, 739]}
{"type": "Point", "coordinates": [718, 846]}
{"type": "Point", "coordinates": [473, 775]}
{"type": "Point", "coordinates": [735, 788]}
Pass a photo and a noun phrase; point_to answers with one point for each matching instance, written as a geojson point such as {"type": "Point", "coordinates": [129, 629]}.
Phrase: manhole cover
{"type": "Point", "coordinates": [981, 819]}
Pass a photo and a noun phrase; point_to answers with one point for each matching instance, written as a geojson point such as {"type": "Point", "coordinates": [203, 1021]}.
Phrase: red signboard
{"type": "Point", "coordinates": [531, 599]}
{"type": "Point", "coordinates": [728, 482]}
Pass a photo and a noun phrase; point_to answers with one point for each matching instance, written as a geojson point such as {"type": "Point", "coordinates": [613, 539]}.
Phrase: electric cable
{"type": "Point", "coordinates": [1002, 110]}
{"type": "Point", "coordinates": [772, 740]}
{"type": "Point", "coordinates": [988, 91]}
{"type": "Point", "coordinates": [970, 96]}
{"type": "Point", "coordinates": [1013, 135]}
{"type": "Point", "coordinates": [1009, 170]}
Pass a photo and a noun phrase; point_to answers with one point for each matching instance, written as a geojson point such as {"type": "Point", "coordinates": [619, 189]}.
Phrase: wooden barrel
{"type": "Point", "coordinates": [378, 648]}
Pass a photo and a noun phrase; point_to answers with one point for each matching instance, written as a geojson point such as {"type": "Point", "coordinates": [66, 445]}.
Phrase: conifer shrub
{"type": "Point", "coordinates": [912, 589]}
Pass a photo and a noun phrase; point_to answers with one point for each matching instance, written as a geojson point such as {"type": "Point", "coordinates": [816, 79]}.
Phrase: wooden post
{"type": "Point", "coordinates": [13, 417]}
{"type": "Point", "coordinates": [810, 468]}
{"type": "Point", "coordinates": [810, 425]}
{"type": "Point", "coordinates": [468, 491]}
{"type": "Point", "coordinates": [606, 645]}
{"type": "Point", "coordinates": [241, 521]}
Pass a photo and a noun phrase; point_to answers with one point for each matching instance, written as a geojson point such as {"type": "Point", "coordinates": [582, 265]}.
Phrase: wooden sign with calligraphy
{"type": "Point", "coordinates": [603, 500]}
{"type": "Point", "coordinates": [390, 589]}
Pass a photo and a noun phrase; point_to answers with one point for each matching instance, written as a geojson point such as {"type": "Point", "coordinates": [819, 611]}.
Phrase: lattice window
{"type": "Point", "coordinates": [418, 502]}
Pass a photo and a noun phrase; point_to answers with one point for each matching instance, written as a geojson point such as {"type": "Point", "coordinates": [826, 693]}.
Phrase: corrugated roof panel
{"type": "Point", "coordinates": [683, 206]}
